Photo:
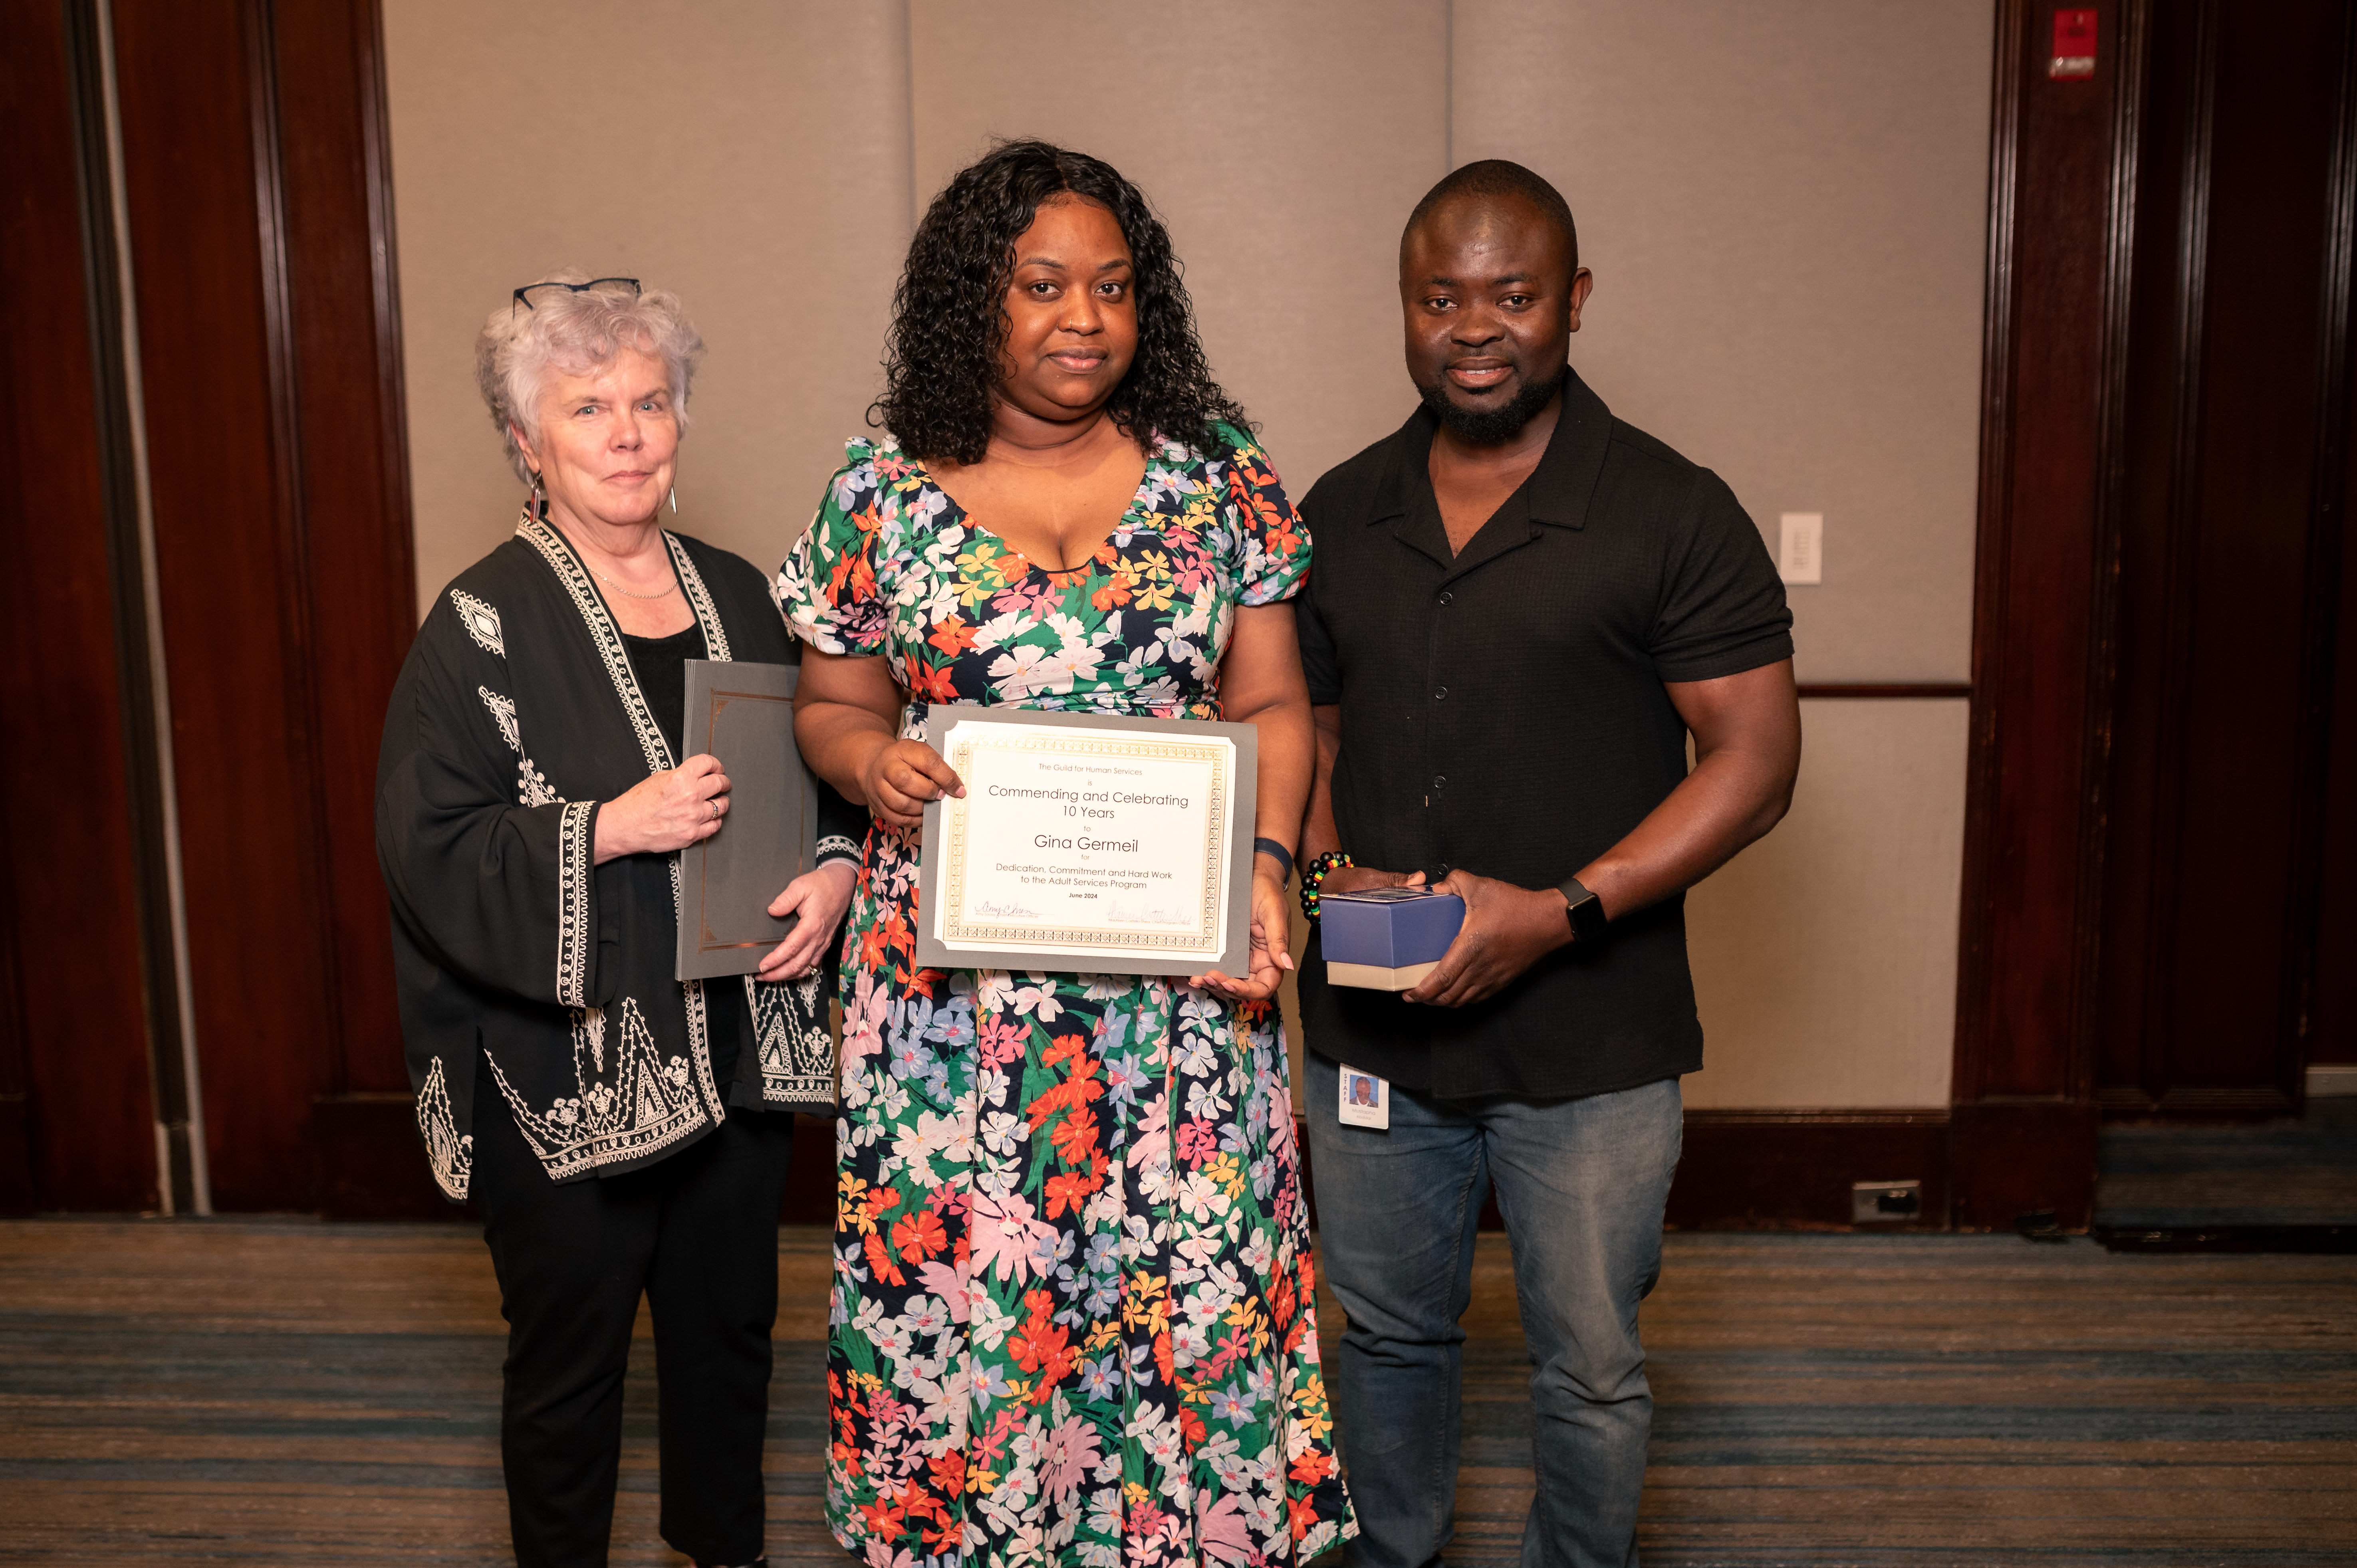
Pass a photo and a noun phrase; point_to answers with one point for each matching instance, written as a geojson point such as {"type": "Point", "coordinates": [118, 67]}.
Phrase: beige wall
{"type": "Point", "coordinates": [750, 156]}
{"type": "Point", "coordinates": [1784, 205]}
{"type": "Point", "coordinates": [1783, 200]}
{"type": "Point", "coordinates": [1846, 993]}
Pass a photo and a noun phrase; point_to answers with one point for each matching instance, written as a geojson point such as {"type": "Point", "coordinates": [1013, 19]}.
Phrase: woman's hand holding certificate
{"type": "Point", "coordinates": [900, 775]}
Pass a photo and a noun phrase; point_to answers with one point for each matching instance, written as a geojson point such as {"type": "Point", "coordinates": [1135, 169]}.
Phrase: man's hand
{"type": "Point", "coordinates": [1507, 930]}
{"type": "Point", "coordinates": [1359, 878]}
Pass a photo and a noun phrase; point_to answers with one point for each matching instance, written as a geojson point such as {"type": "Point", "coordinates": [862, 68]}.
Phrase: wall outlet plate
{"type": "Point", "coordinates": [1885, 1202]}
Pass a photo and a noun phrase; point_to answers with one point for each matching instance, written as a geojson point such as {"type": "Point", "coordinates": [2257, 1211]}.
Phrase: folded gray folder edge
{"type": "Point", "coordinates": [743, 713]}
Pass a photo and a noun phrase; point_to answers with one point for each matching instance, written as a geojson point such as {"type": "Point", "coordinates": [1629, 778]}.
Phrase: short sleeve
{"type": "Point", "coordinates": [827, 589]}
{"type": "Point", "coordinates": [1722, 607]}
{"type": "Point", "coordinates": [1271, 544]}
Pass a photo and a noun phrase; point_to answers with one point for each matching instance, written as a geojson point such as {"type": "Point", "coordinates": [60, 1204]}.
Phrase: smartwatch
{"type": "Point", "coordinates": [1585, 909]}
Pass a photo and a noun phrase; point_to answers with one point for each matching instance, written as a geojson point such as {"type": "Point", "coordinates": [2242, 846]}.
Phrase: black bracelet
{"type": "Point", "coordinates": [1314, 879]}
{"type": "Point", "coordinates": [1283, 855]}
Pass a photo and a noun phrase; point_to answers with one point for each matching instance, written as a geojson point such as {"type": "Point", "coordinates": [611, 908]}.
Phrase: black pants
{"type": "Point", "coordinates": [698, 1233]}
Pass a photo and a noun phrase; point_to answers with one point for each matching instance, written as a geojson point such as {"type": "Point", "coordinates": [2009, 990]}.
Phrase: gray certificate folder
{"type": "Point", "coordinates": [743, 713]}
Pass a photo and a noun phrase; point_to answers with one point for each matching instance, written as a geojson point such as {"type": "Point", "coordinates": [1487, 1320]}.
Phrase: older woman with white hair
{"type": "Point", "coordinates": [619, 1130]}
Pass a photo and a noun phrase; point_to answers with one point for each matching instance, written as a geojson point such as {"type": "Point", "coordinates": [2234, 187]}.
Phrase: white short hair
{"type": "Point", "coordinates": [572, 331]}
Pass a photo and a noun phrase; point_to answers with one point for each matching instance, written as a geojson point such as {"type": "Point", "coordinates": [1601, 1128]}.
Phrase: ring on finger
{"type": "Point", "coordinates": [715, 804]}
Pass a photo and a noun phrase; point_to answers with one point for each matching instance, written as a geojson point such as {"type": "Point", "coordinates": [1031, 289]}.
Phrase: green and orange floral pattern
{"type": "Point", "coordinates": [1073, 1318]}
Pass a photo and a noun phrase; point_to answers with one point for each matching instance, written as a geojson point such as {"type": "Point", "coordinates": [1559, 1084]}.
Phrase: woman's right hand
{"type": "Point", "coordinates": [900, 775]}
{"type": "Point", "coordinates": [664, 812]}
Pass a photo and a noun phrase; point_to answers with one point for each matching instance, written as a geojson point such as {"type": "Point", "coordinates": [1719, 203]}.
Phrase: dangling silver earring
{"type": "Point", "coordinates": [675, 500]}
{"type": "Point", "coordinates": [539, 497]}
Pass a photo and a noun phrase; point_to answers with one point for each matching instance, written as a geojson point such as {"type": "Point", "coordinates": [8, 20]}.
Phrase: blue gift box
{"type": "Point", "coordinates": [1386, 938]}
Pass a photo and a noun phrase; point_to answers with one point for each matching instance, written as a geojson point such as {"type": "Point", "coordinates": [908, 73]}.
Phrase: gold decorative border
{"type": "Point", "coordinates": [1210, 937]}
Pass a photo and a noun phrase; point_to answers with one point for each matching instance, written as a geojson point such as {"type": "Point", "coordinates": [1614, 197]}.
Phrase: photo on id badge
{"type": "Point", "coordinates": [1366, 1099]}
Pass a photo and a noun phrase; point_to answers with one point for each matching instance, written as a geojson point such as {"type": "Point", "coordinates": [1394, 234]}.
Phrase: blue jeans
{"type": "Point", "coordinates": [1582, 1183]}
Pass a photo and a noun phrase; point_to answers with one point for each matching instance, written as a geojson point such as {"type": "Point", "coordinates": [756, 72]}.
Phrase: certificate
{"type": "Point", "coordinates": [1090, 843]}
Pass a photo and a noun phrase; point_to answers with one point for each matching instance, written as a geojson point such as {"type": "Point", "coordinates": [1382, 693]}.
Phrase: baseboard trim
{"type": "Point", "coordinates": [2331, 1080]}
{"type": "Point", "coordinates": [1787, 1170]}
{"type": "Point", "coordinates": [1792, 1170]}
{"type": "Point", "coordinates": [16, 1154]}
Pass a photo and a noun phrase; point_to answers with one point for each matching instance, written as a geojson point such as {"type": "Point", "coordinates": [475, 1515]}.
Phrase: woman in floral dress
{"type": "Point", "coordinates": [1073, 1314]}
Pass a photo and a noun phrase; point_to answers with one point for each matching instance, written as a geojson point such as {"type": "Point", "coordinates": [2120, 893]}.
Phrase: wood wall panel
{"type": "Point", "coordinates": [257, 181]}
{"type": "Point", "coordinates": [352, 478]}
{"type": "Point", "coordinates": [77, 1117]}
{"type": "Point", "coordinates": [198, 135]}
{"type": "Point", "coordinates": [2027, 858]}
{"type": "Point", "coordinates": [2332, 1000]}
{"type": "Point", "coordinates": [2032, 857]}
{"type": "Point", "coordinates": [2238, 386]}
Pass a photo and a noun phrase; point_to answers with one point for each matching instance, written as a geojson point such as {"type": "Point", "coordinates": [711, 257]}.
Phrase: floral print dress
{"type": "Point", "coordinates": [1073, 1315]}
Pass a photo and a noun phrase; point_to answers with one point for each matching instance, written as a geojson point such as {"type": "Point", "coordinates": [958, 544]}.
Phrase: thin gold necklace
{"type": "Point", "coordinates": [666, 591]}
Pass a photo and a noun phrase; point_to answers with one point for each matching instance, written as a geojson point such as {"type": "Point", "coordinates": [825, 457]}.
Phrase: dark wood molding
{"type": "Point", "coordinates": [77, 1064]}
{"type": "Point", "coordinates": [2226, 563]}
{"type": "Point", "coordinates": [351, 483]}
{"type": "Point", "coordinates": [1791, 1170]}
{"type": "Point", "coordinates": [256, 172]}
{"type": "Point", "coordinates": [2331, 986]}
{"type": "Point", "coordinates": [137, 710]}
{"type": "Point", "coordinates": [1902, 691]}
{"type": "Point", "coordinates": [2061, 184]}
{"type": "Point", "coordinates": [2013, 1159]}
{"type": "Point", "coordinates": [2324, 901]}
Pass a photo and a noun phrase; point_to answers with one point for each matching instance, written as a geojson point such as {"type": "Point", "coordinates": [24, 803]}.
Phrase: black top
{"type": "Point", "coordinates": [1503, 710]}
{"type": "Point", "coordinates": [661, 665]}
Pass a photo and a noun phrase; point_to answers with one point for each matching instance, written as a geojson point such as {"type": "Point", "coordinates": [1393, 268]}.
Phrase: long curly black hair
{"type": "Point", "coordinates": [942, 356]}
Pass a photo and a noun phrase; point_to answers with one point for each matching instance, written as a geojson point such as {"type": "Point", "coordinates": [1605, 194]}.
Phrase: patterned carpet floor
{"type": "Point", "coordinates": [290, 1392]}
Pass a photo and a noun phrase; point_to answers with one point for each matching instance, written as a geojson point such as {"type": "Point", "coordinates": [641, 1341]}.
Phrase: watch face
{"type": "Point", "coordinates": [1586, 916]}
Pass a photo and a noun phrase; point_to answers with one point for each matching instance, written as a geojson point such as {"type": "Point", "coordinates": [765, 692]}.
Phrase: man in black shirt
{"type": "Point", "coordinates": [1521, 608]}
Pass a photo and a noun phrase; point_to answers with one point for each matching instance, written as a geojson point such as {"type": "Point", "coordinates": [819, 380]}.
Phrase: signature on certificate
{"type": "Point", "coordinates": [992, 906]}
{"type": "Point", "coordinates": [1126, 914]}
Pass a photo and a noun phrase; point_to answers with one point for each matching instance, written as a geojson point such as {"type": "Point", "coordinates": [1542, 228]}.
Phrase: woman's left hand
{"type": "Point", "coordinates": [1272, 936]}
{"type": "Point", "coordinates": [819, 898]}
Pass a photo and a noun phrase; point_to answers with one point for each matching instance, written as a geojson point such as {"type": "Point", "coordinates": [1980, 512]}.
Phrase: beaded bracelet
{"type": "Point", "coordinates": [1313, 878]}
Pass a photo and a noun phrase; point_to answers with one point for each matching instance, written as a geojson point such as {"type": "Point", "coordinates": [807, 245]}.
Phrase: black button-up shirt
{"type": "Point", "coordinates": [1503, 711]}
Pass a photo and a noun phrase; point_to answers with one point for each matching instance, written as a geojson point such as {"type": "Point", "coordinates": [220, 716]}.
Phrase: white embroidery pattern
{"type": "Point", "coordinates": [608, 637]}
{"type": "Point", "coordinates": [699, 598]}
{"type": "Point", "coordinates": [532, 785]}
{"type": "Point", "coordinates": [502, 714]}
{"type": "Point", "coordinates": [797, 1060]}
{"type": "Point", "coordinates": [627, 1109]}
{"type": "Point", "coordinates": [573, 881]}
{"type": "Point", "coordinates": [452, 1156]}
{"type": "Point", "coordinates": [835, 846]}
{"type": "Point", "coordinates": [481, 622]}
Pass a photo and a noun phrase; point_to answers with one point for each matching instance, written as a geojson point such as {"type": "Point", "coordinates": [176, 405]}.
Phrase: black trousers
{"type": "Point", "coordinates": [698, 1233]}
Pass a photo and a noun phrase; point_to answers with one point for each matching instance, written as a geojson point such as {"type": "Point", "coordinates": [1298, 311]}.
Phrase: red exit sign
{"type": "Point", "coordinates": [2074, 45]}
